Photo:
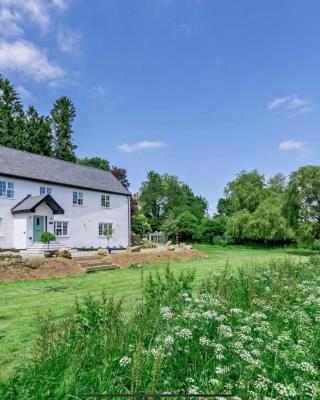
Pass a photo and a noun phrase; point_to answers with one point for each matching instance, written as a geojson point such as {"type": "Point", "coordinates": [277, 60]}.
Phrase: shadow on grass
{"type": "Point", "coordinates": [302, 252]}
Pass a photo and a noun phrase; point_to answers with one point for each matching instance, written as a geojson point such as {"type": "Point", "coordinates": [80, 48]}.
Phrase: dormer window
{"type": "Point", "coordinates": [6, 189]}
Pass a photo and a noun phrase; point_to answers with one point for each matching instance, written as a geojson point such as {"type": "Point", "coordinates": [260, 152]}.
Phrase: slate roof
{"type": "Point", "coordinates": [20, 164]}
{"type": "Point", "coordinates": [30, 203]}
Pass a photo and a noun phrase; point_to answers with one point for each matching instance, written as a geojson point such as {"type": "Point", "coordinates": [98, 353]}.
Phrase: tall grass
{"type": "Point", "coordinates": [252, 333]}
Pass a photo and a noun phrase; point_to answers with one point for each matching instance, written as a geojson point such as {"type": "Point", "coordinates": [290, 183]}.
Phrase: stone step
{"type": "Point", "coordinates": [101, 268]}
{"type": "Point", "coordinates": [32, 251]}
{"type": "Point", "coordinates": [38, 248]}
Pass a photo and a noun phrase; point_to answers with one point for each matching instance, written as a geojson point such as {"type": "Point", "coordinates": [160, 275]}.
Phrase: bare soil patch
{"type": "Point", "coordinates": [15, 269]}
{"type": "Point", "coordinates": [126, 259]}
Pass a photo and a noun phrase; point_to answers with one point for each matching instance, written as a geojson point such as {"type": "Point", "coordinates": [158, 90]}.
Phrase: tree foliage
{"type": "Point", "coordinates": [38, 133]}
{"type": "Point", "coordinates": [95, 162]}
{"type": "Point", "coordinates": [12, 129]}
{"type": "Point", "coordinates": [62, 115]}
{"type": "Point", "coordinates": [121, 175]}
{"type": "Point", "coordinates": [256, 209]}
{"type": "Point", "coordinates": [140, 224]}
{"type": "Point", "coordinates": [246, 191]}
{"type": "Point", "coordinates": [210, 229]}
{"type": "Point", "coordinates": [303, 195]}
{"type": "Point", "coordinates": [164, 196]}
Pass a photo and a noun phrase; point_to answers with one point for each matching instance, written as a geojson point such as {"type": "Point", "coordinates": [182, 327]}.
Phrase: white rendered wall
{"type": "Point", "coordinates": [83, 220]}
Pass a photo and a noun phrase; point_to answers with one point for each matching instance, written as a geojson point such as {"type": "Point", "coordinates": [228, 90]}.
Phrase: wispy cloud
{"type": "Point", "coordinates": [25, 93]}
{"type": "Point", "coordinates": [29, 62]}
{"type": "Point", "coordinates": [292, 104]}
{"type": "Point", "coordinates": [295, 146]}
{"type": "Point", "coordinates": [62, 4]}
{"type": "Point", "coordinates": [69, 41]}
{"type": "Point", "coordinates": [96, 91]}
{"type": "Point", "coordinates": [9, 22]}
{"type": "Point", "coordinates": [279, 101]}
{"type": "Point", "coordinates": [139, 146]}
{"type": "Point", "coordinates": [36, 11]}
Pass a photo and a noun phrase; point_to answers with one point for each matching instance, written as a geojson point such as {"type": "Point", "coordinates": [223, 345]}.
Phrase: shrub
{"type": "Point", "coordinates": [211, 229]}
{"type": "Point", "coordinates": [47, 238]}
{"type": "Point", "coordinates": [316, 244]}
{"type": "Point", "coordinates": [140, 224]}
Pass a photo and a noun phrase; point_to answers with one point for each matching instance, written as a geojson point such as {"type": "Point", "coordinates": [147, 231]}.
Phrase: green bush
{"type": "Point", "coordinates": [316, 244]}
{"type": "Point", "coordinates": [47, 238]}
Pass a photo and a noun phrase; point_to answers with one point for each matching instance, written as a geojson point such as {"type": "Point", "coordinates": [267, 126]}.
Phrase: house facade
{"type": "Point", "coordinates": [80, 205]}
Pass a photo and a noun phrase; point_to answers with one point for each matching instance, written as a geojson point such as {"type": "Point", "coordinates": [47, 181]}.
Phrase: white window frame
{"type": "Point", "coordinates": [1, 226]}
{"type": "Point", "coordinates": [7, 187]}
{"type": "Point", "coordinates": [47, 190]}
{"type": "Point", "coordinates": [77, 198]}
{"type": "Point", "coordinates": [105, 200]}
{"type": "Point", "coordinates": [61, 223]}
{"type": "Point", "coordinates": [104, 225]}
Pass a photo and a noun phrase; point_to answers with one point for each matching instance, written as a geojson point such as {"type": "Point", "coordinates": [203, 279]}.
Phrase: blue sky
{"type": "Point", "coordinates": [201, 89]}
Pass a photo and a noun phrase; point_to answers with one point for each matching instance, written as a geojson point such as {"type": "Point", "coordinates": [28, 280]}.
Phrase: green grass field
{"type": "Point", "coordinates": [21, 302]}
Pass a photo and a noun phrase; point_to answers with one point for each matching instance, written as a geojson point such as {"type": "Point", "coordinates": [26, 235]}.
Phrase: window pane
{"type": "Point", "coordinates": [42, 190]}
{"type": "Point", "coordinates": [61, 228]}
{"type": "Point", "coordinates": [10, 193]}
{"type": "Point", "coordinates": [3, 188]}
{"type": "Point", "coordinates": [75, 198]}
{"type": "Point", "coordinates": [49, 190]}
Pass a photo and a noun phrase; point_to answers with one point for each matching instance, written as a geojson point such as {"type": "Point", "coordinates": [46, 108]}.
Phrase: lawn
{"type": "Point", "coordinates": [21, 302]}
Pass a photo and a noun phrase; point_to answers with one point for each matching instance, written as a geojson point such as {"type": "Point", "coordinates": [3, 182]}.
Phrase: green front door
{"type": "Point", "coordinates": [38, 227]}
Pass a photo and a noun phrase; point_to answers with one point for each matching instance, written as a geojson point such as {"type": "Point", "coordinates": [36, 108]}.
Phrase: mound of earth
{"type": "Point", "coordinates": [15, 269]}
{"type": "Point", "coordinates": [126, 259]}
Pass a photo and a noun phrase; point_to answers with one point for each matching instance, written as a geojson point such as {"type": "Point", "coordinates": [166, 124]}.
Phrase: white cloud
{"type": "Point", "coordinates": [96, 91]}
{"type": "Point", "coordinates": [15, 13]}
{"type": "Point", "coordinates": [36, 11]}
{"type": "Point", "coordinates": [292, 104]}
{"type": "Point", "coordinates": [294, 146]}
{"type": "Point", "coordinates": [62, 4]}
{"type": "Point", "coordinates": [29, 62]}
{"type": "Point", "coordinates": [139, 146]}
{"type": "Point", "coordinates": [279, 101]}
{"type": "Point", "coordinates": [9, 23]}
{"type": "Point", "coordinates": [24, 93]}
{"type": "Point", "coordinates": [69, 41]}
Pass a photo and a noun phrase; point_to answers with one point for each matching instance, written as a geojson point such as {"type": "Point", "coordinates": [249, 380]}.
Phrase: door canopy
{"type": "Point", "coordinates": [30, 203]}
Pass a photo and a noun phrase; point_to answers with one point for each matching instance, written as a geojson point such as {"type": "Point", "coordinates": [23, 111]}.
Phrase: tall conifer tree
{"type": "Point", "coordinates": [62, 116]}
{"type": "Point", "coordinates": [12, 119]}
{"type": "Point", "coordinates": [38, 133]}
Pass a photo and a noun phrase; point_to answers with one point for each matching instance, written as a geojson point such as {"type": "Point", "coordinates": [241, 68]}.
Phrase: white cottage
{"type": "Point", "coordinates": [74, 202]}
